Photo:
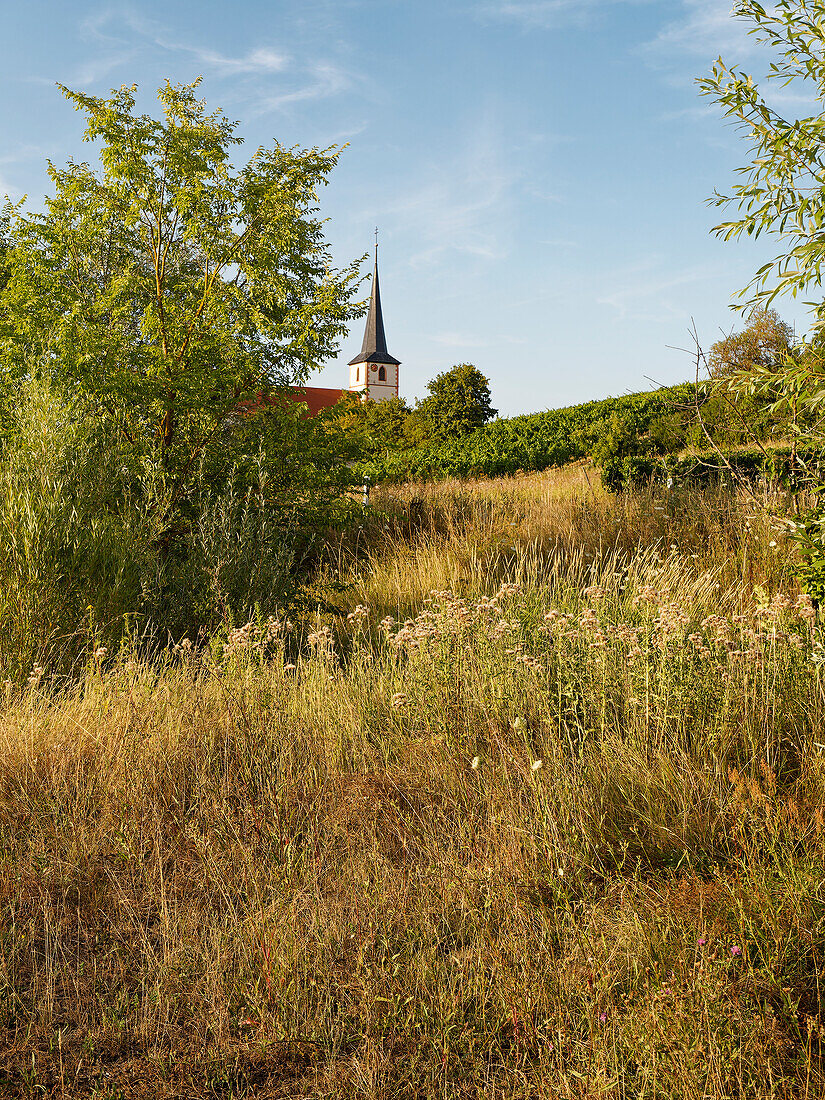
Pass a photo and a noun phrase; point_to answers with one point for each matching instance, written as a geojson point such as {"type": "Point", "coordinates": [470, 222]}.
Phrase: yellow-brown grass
{"type": "Point", "coordinates": [555, 831]}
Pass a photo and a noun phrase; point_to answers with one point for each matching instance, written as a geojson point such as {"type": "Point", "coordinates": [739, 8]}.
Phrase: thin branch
{"type": "Point", "coordinates": [702, 361]}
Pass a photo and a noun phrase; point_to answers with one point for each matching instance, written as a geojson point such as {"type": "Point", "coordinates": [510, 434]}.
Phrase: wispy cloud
{"type": "Point", "coordinates": [117, 28]}
{"type": "Point", "coordinates": [22, 153]}
{"type": "Point", "coordinates": [272, 78]}
{"type": "Point", "coordinates": [99, 27]}
{"type": "Point", "coordinates": [703, 28]}
{"type": "Point", "coordinates": [560, 242]}
{"type": "Point", "coordinates": [547, 14]}
{"type": "Point", "coordinates": [707, 29]}
{"type": "Point", "coordinates": [642, 291]}
{"type": "Point", "coordinates": [96, 68]}
{"type": "Point", "coordinates": [6, 189]}
{"type": "Point", "coordinates": [322, 80]}
{"type": "Point", "coordinates": [260, 61]}
{"type": "Point", "coordinates": [110, 52]}
{"type": "Point", "coordinates": [460, 204]}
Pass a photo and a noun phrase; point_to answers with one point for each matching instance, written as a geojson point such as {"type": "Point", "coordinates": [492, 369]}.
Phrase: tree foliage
{"type": "Point", "coordinates": [151, 318]}
{"type": "Point", "coordinates": [88, 545]}
{"type": "Point", "coordinates": [169, 287]}
{"type": "Point", "coordinates": [765, 342]}
{"type": "Point", "coordinates": [459, 402]}
{"type": "Point", "coordinates": [782, 192]}
{"type": "Point", "coordinates": [372, 427]}
{"type": "Point", "coordinates": [738, 415]}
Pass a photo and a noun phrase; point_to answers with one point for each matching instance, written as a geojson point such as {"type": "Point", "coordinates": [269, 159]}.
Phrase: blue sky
{"type": "Point", "coordinates": [538, 168]}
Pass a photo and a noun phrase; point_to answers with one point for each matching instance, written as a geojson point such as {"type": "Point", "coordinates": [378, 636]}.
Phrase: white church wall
{"type": "Point", "coordinates": [365, 378]}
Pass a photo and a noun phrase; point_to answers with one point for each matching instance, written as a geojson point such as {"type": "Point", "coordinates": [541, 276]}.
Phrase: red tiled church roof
{"type": "Point", "coordinates": [317, 398]}
{"type": "Point", "coordinates": [314, 397]}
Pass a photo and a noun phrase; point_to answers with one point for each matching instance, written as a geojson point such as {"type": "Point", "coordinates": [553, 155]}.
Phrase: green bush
{"type": "Point", "coordinates": [94, 544]}
{"type": "Point", "coordinates": [71, 535]}
{"type": "Point", "coordinates": [775, 465]}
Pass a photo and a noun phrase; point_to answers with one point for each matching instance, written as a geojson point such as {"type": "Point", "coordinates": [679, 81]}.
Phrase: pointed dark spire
{"type": "Point", "coordinates": [374, 346]}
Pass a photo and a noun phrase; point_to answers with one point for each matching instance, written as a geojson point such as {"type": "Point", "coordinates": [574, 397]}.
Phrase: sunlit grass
{"type": "Point", "coordinates": [538, 812]}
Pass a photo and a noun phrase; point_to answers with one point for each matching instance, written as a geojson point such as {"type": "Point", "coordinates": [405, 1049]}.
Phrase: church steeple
{"type": "Point", "coordinates": [373, 371]}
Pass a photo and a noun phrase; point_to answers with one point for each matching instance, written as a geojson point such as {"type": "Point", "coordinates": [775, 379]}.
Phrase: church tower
{"type": "Point", "coordinates": [374, 372]}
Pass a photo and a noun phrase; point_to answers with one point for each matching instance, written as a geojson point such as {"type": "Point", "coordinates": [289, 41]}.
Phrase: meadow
{"type": "Point", "coordinates": [532, 808]}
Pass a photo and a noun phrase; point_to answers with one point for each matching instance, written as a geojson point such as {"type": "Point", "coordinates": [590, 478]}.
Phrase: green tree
{"type": "Point", "coordinates": [781, 192]}
{"type": "Point", "coordinates": [620, 437]}
{"type": "Point", "coordinates": [372, 427]}
{"type": "Point", "coordinates": [386, 424]}
{"type": "Point", "coordinates": [458, 403]}
{"type": "Point", "coordinates": [765, 341]}
{"type": "Point", "coordinates": [143, 317]}
{"type": "Point", "coordinates": [169, 287]}
{"type": "Point", "coordinates": [745, 417]}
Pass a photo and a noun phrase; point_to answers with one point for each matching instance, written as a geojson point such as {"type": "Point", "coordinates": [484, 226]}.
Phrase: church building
{"type": "Point", "coordinates": [374, 372]}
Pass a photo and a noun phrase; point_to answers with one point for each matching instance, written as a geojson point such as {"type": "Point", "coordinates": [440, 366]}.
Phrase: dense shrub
{"type": "Point", "coordinates": [94, 543]}
{"type": "Point", "coordinates": [779, 466]}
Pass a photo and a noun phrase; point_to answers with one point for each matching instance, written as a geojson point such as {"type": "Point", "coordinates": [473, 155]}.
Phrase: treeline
{"type": "Point", "coordinates": [536, 441]}
{"type": "Point", "coordinates": [451, 432]}
{"type": "Point", "coordinates": [623, 435]}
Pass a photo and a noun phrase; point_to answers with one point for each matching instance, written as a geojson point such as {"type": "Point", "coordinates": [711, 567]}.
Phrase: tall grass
{"type": "Point", "coordinates": [69, 545]}
{"type": "Point", "coordinates": [539, 813]}
{"type": "Point", "coordinates": [471, 535]}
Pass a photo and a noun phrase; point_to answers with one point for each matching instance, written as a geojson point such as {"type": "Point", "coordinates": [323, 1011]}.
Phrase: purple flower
{"type": "Point", "coordinates": [702, 942]}
{"type": "Point", "coordinates": [736, 950]}
{"type": "Point", "coordinates": [603, 1017]}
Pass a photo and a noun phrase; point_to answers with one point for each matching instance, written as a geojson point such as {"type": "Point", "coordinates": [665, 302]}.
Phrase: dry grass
{"type": "Point", "coordinates": [554, 831]}
{"type": "Point", "coordinates": [469, 536]}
